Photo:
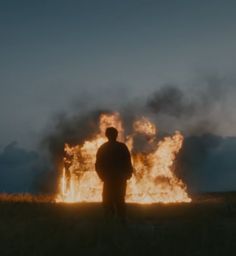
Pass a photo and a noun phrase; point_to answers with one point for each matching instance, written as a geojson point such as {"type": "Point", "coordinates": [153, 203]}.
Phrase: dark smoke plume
{"type": "Point", "coordinates": [171, 101]}
{"type": "Point", "coordinates": [72, 130]}
{"type": "Point", "coordinates": [206, 162]}
{"type": "Point", "coordinates": [194, 109]}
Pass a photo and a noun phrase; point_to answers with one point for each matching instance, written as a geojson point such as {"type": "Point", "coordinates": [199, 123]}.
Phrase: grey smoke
{"type": "Point", "coordinates": [189, 109]}
{"type": "Point", "coordinates": [170, 100]}
{"type": "Point", "coordinates": [206, 162]}
{"type": "Point", "coordinates": [194, 109]}
{"type": "Point", "coordinates": [73, 130]}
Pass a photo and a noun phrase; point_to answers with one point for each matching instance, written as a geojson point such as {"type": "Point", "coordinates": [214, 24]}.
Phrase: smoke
{"type": "Point", "coordinates": [192, 108]}
{"type": "Point", "coordinates": [72, 130]}
{"type": "Point", "coordinates": [170, 100]}
{"type": "Point", "coordinates": [195, 108]}
{"type": "Point", "coordinates": [206, 161]}
{"type": "Point", "coordinates": [202, 111]}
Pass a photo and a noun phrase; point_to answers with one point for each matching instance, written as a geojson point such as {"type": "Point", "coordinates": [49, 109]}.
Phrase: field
{"type": "Point", "coordinates": [36, 226]}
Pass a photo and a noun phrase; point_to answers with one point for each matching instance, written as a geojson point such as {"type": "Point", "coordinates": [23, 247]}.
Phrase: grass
{"type": "Point", "coordinates": [26, 198]}
{"type": "Point", "coordinates": [33, 226]}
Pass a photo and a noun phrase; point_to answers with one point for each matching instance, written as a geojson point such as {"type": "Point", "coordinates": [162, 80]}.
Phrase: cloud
{"type": "Point", "coordinates": [20, 169]}
{"type": "Point", "coordinates": [208, 163]}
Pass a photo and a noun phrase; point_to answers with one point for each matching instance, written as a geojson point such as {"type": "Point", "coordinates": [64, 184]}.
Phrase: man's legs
{"type": "Point", "coordinates": [107, 198]}
{"type": "Point", "coordinates": [120, 199]}
{"type": "Point", "coordinates": [114, 198]}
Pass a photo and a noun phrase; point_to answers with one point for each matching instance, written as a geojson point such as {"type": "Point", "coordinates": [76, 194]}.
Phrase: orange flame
{"type": "Point", "coordinates": [153, 180]}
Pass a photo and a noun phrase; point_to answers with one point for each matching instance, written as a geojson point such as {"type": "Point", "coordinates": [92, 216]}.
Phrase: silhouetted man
{"type": "Point", "coordinates": [113, 166]}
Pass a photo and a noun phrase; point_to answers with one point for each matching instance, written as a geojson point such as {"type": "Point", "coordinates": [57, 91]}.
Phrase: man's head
{"type": "Point", "coordinates": [111, 133]}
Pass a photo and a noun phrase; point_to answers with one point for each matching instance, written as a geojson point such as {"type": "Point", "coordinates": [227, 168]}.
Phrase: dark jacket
{"type": "Point", "coordinates": [113, 161]}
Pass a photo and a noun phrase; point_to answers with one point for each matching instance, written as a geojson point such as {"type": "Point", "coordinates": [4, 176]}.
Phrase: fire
{"type": "Point", "coordinates": [144, 126]}
{"type": "Point", "coordinates": [153, 179]}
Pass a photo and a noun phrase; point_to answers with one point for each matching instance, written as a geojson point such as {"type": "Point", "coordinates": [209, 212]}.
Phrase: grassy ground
{"type": "Point", "coordinates": [37, 227]}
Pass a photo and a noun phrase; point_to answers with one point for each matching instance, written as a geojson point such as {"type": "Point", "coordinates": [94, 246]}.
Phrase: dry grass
{"type": "Point", "coordinates": [4, 197]}
{"type": "Point", "coordinates": [33, 226]}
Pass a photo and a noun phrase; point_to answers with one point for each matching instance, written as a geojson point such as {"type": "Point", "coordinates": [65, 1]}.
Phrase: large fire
{"type": "Point", "coordinates": [153, 180]}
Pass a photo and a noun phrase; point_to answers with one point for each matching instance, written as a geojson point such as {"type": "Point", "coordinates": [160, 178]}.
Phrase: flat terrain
{"type": "Point", "coordinates": [37, 227]}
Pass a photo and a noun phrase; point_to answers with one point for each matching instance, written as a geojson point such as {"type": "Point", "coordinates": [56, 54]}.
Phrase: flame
{"type": "Point", "coordinates": [144, 126]}
{"type": "Point", "coordinates": [153, 179]}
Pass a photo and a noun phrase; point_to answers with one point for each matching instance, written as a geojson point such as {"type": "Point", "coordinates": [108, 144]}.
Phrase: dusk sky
{"type": "Point", "coordinates": [172, 60]}
{"type": "Point", "coordinates": [56, 55]}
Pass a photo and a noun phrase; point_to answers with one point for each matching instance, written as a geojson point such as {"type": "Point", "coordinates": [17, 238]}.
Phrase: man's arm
{"type": "Point", "coordinates": [99, 164]}
{"type": "Point", "coordinates": [129, 167]}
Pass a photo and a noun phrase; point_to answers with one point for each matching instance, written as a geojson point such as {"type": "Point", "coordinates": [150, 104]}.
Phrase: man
{"type": "Point", "coordinates": [113, 166]}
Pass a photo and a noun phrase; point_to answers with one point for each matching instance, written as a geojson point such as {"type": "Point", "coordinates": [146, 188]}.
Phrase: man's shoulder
{"type": "Point", "coordinates": [113, 144]}
{"type": "Point", "coordinates": [121, 145]}
{"type": "Point", "coordinates": [104, 145]}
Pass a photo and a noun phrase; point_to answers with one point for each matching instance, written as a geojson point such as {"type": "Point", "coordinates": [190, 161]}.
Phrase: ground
{"type": "Point", "coordinates": [207, 226]}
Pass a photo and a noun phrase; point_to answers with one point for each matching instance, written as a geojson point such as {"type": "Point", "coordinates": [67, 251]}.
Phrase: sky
{"type": "Point", "coordinates": [174, 60]}
{"type": "Point", "coordinates": [58, 55]}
